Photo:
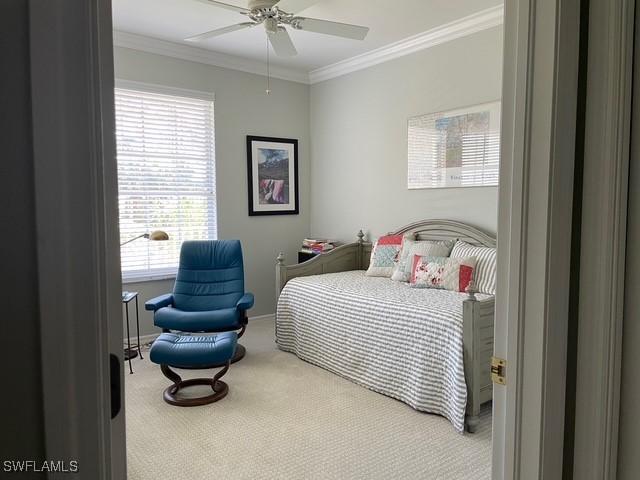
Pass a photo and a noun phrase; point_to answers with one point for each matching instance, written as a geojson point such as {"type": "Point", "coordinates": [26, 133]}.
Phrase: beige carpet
{"type": "Point", "coordinates": [287, 419]}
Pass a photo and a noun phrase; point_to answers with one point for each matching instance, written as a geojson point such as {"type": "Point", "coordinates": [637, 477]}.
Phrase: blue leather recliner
{"type": "Point", "coordinates": [208, 295]}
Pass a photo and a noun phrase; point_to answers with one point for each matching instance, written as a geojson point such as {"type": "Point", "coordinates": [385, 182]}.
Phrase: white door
{"type": "Point", "coordinates": [73, 139]}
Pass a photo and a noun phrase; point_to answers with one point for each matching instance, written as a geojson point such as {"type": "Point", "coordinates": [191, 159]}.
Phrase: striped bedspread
{"type": "Point", "coordinates": [396, 340]}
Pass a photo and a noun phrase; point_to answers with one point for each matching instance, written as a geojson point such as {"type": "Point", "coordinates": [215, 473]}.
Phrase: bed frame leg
{"type": "Point", "coordinates": [472, 422]}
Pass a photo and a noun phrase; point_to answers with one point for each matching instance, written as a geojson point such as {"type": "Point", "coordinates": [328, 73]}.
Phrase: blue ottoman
{"type": "Point", "coordinates": [185, 351]}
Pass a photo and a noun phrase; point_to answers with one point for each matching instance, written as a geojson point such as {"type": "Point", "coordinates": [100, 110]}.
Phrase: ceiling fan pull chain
{"type": "Point", "coordinates": [268, 68]}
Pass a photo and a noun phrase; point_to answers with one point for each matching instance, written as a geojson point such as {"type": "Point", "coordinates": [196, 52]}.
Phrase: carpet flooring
{"type": "Point", "coordinates": [287, 419]}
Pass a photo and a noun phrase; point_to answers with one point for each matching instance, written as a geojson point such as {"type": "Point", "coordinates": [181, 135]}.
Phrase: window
{"type": "Point", "coordinates": [458, 148]}
{"type": "Point", "coordinates": [166, 175]}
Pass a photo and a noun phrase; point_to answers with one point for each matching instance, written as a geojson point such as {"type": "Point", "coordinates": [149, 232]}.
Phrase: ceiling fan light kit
{"type": "Point", "coordinates": [276, 15]}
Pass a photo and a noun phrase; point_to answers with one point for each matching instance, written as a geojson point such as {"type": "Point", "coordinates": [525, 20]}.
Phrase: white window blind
{"type": "Point", "coordinates": [166, 177]}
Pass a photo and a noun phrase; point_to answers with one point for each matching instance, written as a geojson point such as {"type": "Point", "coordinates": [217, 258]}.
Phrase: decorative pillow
{"type": "Point", "coordinates": [453, 274]}
{"type": "Point", "coordinates": [426, 248]}
{"type": "Point", "coordinates": [486, 265]}
{"type": "Point", "coordinates": [384, 256]}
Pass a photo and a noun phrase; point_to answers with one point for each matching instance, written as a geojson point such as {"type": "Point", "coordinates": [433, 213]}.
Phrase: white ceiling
{"type": "Point", "coordinates": [389, 20]}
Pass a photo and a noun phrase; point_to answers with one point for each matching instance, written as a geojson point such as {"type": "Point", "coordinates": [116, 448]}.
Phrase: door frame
{"type": "Point", "coordinates": [73, 136]}
{"type": "Point", "coordinates": [534, 234]}
{"type": "Point", "coordinates": [628, 461]}
{"type": "Point", "coordinates": [604, 235]}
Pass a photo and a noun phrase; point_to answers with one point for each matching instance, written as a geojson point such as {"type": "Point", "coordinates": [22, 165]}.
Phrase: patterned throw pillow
{"type": "Point", "coordinates": [384, 256]}
{"type": "Point", "coordinates": [426, 248]}
{"type": "Point", "coordinates": [441, 272]}
{"type": "Point", "coordinates": [486, 266]}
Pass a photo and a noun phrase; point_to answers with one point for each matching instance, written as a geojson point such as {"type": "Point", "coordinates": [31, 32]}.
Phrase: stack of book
{"type": "Point", "coordinates": [316, 245]}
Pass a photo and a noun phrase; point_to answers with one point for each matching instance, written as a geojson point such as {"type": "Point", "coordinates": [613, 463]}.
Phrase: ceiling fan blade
{"type": "Point", "coordinates": [295, 6]}
{"type": "Point", "coordinates": [282, 44]}
{"type": "Point", "coordinates": [345, 30]}
{"type": "Point", "coordinates": [220, 31]}
{"type": "Point", "coordinates": [226, 6]}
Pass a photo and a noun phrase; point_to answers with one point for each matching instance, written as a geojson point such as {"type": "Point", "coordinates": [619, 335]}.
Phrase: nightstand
{"type": "Point", "coordinates": [304, 256]}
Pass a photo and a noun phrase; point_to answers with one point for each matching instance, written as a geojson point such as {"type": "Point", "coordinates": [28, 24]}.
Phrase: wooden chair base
{"type": "Point", "coordinates": [220, 388]}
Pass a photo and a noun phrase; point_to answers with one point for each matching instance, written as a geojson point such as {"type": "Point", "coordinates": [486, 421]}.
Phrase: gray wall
{"type": "Point", "coordinates": [22, 416]}
{"type": "Point", "coordinates": [359, 138]}
{"type": "Point", "coordinates": [241, 108]}
{"type": "Point", "coordinates": [353, 128]}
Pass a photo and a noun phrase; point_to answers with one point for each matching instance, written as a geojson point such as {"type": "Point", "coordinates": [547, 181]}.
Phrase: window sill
{"type": "Point", "coordinates": [149, 278]}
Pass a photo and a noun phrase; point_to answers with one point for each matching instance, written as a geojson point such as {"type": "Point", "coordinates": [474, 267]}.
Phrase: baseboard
{"type": "Point", "coordinates": [146, 339]}
{"type": "Point", "coordinates": [269, 316]}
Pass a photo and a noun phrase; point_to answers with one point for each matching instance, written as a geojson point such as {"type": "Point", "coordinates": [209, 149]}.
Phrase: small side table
{"type": "Point", "coordinates": [304, 256]}
{"type": "Point", "coordinates": [130, 353]}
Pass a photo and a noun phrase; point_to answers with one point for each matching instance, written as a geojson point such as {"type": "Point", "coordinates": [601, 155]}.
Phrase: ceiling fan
{"type": "Point", "coordinates": [276, 15]}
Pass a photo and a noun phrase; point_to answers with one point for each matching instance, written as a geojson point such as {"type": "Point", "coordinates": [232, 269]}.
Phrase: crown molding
{"type": "Point", "coordinates": [483, 20]}
{"type": "Point", "coordinates": [201, 55]}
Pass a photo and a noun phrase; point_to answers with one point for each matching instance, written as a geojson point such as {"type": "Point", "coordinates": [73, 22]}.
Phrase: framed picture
{"type": "Point", "coordinates": [272, 165]}
{"type": "Point", "coordinates": [456, 148]}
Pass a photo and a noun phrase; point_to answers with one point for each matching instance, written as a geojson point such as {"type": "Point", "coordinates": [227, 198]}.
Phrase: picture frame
{"type": "Point", "coordinates": [272, 168]}
{"type": "Point", "coordinates": [454, 148]}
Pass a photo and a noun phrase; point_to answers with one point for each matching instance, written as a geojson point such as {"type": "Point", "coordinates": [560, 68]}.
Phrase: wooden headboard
{"type": "Point", "coordinates": [355, 256]}
{"type": "Point", "coordinates": [448, 230]}
{"type": "Point", "coordinates": [440, 230]}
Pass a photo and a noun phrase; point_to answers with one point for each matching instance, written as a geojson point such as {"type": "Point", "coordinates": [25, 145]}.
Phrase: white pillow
{"type": "Point", "coordinates": [424, 248]}
{"type": "Point", "coordinates": [485, 274]}
{"type": "Point", "coordinates": [448, 273]}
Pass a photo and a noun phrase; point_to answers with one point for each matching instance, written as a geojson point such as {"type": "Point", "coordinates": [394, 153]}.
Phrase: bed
{"type": "Point", "coordinates": [428, 348]}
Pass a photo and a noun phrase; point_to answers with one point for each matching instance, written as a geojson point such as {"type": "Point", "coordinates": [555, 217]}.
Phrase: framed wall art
{"type": "Point", "coordinates": [272, 165]}
{"type": "Point", "coordinates": [455, 148]}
